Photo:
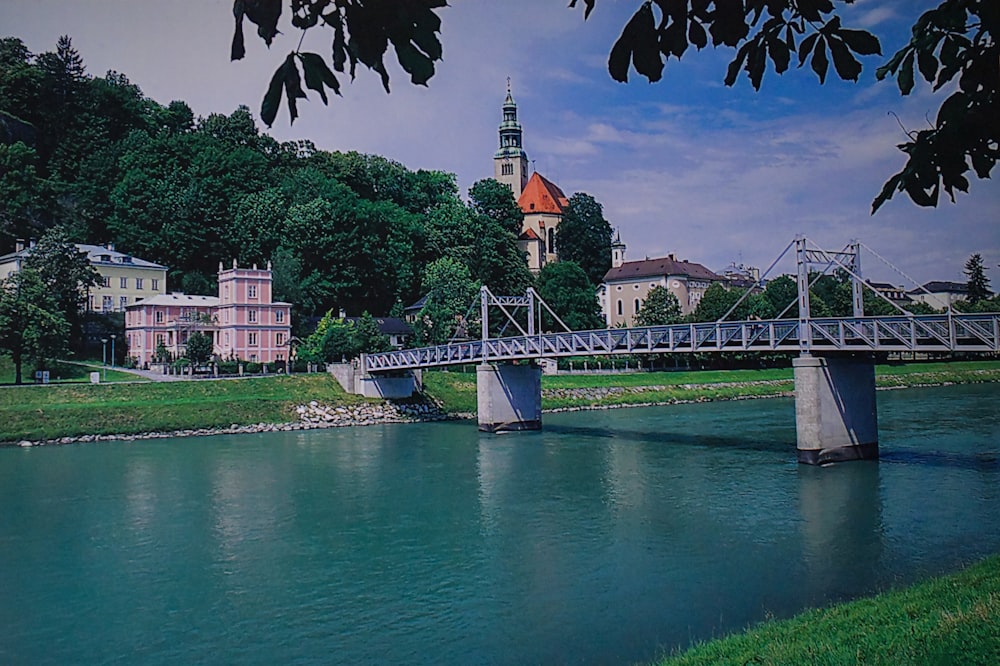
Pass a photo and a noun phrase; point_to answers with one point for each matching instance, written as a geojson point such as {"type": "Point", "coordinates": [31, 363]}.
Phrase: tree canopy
{"type": "Point", "coordinates": [978, 284]}
{"type": "Point", "coordinates": [955, 40]}
{"type": "Point", "coordinates": [584, 237]}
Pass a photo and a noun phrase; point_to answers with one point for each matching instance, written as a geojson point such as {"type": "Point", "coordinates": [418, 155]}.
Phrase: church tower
{"type": "Point", "coordinates": [510, 163]}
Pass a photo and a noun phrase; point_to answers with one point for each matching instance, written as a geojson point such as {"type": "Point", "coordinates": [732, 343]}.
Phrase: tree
{"type": "Point", "coordinates": [956, 39]}
{"type": "Point", "coordinates": [978, 284]}
{"type": "Point", "coordinates": [199, 348]}
{"type": "Point", "coordinates": [568, 291]}
{"type": "Point", "coordinates": [495, 259]}
{"type": "Point", "coordinates": [68, 275]}
{"type": "Point", "coordinates": [32, 327]}
{"type": "Point", "coordinates": [450, 293]}
{"type": "Point", "coordinates": [584, 237]}
{"type": "Point", "coordinates": [661, 307]}
{"type": "Point", "coordinates": [368, 338]}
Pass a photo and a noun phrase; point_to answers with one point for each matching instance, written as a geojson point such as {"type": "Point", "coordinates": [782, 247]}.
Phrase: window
{"type": "Point", "coordinates": [638, 304]}
{"type": "Point", "coordinates": [138, 283]}
{"type": "Point", "coordinates": [90, 302]}
{"type": "Point", "coordinates": [156, 284]}
{"type": "Point", "coordinates": [279, 339]}
{"type": "Point", "coordinates": [252, 338]}
{"type": "Point", "coordinates": [252, 291]}
{"type": "Point", "coordinates": [107, 303]}
{"type": "Point", "coordinates": [252, 316]}
{"type": "Point", "coordinates": [279, 316]}
{"type": "Point", "coordinates": [106, 281]}
{"type": "Point", "coordinates": [123, 283]}
{"type": "Point", "coordinates": [122, 302]}
{"type": "Point", "coordinates": [159, 316]}
{"type": "Point", "coordinates": [552, 241]}
{"type": "Point", "coordinates": [620, 307]}
{"type": "Point", "coordinates": [618, 288]}
{"type": "Point", "coordinates": [159, 339]}
{"type": "Point", "coordinates": [635, 287]}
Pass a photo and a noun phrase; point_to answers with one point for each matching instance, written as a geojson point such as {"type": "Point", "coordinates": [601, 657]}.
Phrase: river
{"type": "Point", "coordinates": [608, 537]}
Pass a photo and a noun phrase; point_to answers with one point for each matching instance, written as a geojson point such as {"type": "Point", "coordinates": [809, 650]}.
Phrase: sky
{"type": "Point", "coordinates": [685, 166]}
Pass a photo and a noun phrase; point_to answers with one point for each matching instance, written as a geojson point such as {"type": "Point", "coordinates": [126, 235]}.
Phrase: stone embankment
{"type": "Point", "coordinates": [312, 416]}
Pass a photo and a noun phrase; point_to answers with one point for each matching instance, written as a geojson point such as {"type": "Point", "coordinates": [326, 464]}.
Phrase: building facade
{"type": "Point", "coordinates": [627, 284]}
{"type": "Point", "coordinates": [541, 201]}
{"type": "Point", "coordinates": [940, 294]}
{"type": "Point", "coordinates": [243, 321]}
{"type": "Point", "coordinates": [124, 279]}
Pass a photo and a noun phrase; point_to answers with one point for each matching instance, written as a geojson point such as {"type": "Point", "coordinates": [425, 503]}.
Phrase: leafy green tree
{"type": "Point", "coordinates": [331, 342]}
{"type": "Point", "coordinates": [496, 260]}
{"type": "Point", "coordinates": [367, 336]}
{"type": "Point", "coordinates": [957, 39]}
{"type": "Point", "coordinates": [568, 291]}
{"type": "Point", "coordinates": [26, 199]}
{"type": "Point", "coordinates": [492, 199]}
{"type": "Point", "coordinates": [68, 275]}
{"type": "Point", "coordinates": [450, 292]}
{"type": "Point", "coordinates": [978, 284]}
{"type": "Point", "coordinates": [783, 295]}
{"type": "Point", "coordinates": [584, 237]}
{"type": "Point", "coordinates": [715, 302]}
{"type": "Point", "coordinates": [199, 348]}
{"type": "Point", "coordinates": [32, 326]}
{"type": "Point", "coordinates": [661, 307]}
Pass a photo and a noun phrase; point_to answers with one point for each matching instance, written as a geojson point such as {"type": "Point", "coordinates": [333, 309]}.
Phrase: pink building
{"type": "Point", "coordinates": [242, 320]}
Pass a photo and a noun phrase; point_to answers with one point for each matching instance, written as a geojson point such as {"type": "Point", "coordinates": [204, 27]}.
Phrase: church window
{"type": "Point", "coordinates": [619, 307]}
{"type": "Point", "coordinates": [638, 304]}
{"type": "Point", "coordinates": [552, 241]}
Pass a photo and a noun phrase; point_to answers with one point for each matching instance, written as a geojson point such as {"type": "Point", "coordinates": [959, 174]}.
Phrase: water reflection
{"type": "Point", "coordinates": [842, 530]}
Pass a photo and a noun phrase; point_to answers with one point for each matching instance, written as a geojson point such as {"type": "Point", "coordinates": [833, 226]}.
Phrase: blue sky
{"type": "Point", "coordinates": [685, 166]}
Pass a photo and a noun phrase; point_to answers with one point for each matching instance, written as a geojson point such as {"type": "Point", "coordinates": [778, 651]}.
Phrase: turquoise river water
{"type": "Point", "coordinates": [606, 538]}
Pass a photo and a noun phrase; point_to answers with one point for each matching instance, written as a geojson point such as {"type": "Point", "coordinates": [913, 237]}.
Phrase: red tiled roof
{"type": "Point", "coordinates": [542, 196]}
{"type": "Point", "coordinates": [631, 270]}
{"type": "Point", "coordinates": [528, 234]}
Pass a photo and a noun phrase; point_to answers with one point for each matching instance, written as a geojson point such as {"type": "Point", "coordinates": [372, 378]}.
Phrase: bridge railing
{"type": "Point", "coordinates": [916, 333]}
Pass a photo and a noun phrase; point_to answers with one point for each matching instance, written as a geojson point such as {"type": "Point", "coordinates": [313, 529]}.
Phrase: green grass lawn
{"type": "Point", "coordinates": [63, 372]}
{"type": "Point", "coordinates": [949, 620]}
{"type": "Point", "coordinates": [45, 412]}
{"type": "Point", "coordinates": [456, 390]}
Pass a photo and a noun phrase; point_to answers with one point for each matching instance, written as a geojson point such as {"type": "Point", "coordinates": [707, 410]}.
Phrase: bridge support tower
{"type": "Point", "coordinates": [835, 411]}
{"type": "Point", "coordinates": [509, 397]}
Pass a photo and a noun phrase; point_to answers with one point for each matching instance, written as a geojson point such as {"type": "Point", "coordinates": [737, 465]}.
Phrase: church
{"type": "Point", "coordinates": [541, 201]}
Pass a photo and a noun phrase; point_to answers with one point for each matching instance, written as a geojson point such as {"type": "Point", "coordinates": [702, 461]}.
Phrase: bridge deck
{"type": "Point", "coordinates": [919, 333]}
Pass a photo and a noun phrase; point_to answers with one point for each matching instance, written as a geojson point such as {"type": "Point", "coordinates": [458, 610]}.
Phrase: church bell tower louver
{"type": "Point", "coordinates": [510, 163]}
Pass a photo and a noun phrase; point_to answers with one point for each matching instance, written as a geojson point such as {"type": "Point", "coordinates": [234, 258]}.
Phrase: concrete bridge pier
{"type": "Point", "coordinates": [835, 411]}
{"type": "Point", "coordinates": [509, 397]}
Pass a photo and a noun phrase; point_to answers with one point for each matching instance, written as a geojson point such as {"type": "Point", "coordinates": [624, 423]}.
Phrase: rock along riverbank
{"type": "Point", "coordinates": [316, 415]}
{"type": "Point", "coordinates": [312, 416]}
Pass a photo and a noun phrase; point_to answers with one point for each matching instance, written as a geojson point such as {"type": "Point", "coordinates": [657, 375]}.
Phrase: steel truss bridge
{"type": "Point", "coordinates": [978, 333]}
{"type": "Point", "coordinates": [902, 332]}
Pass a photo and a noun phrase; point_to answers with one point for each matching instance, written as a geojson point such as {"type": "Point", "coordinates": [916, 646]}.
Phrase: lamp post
{"type": "Point", "coordinates": [104, 357]}
{"type": "Point", "coordinates": [112, 352]}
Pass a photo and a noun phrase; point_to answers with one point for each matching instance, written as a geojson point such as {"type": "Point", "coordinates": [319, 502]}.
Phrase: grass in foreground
{"type": "Point", "coordinates": [82, 409]}
{"type": "Point", "coordinates": [949, 620]}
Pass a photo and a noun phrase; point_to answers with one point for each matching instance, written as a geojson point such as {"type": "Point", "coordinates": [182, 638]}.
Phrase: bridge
{"type": "Point", "coordinates": [834, 372]}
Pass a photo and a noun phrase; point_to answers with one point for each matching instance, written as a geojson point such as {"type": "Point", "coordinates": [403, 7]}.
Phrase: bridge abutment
{"type": "Point", "coordinates": [835, 410]}
{"type": "Point", "coordinates": [509, 397]}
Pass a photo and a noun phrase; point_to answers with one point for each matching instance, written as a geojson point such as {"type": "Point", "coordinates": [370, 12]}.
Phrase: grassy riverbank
{"type": "Point", "coordinates": [74, 409]}
{"type": "Point", "coordinates": [47, 412]}
{"type": "Point", "coordinates": [457, 390]}
{"type": "Point", "coordinates": [949, 620]}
